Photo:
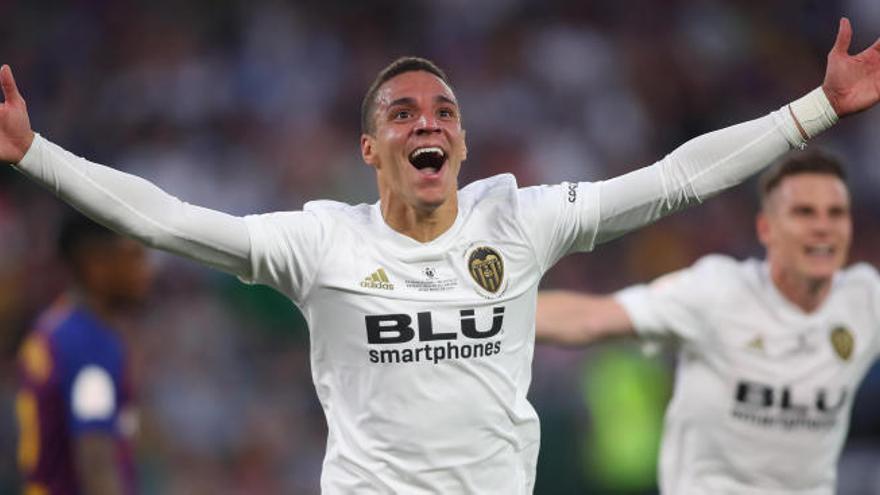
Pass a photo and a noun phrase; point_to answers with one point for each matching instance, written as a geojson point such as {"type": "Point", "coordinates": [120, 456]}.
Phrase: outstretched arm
{"type": "Point", "coordinates": [122, 202]}
{"type": "Point", "coordinates": [716, 161]}
{"type": "Point", "coordinates": [576, 319]}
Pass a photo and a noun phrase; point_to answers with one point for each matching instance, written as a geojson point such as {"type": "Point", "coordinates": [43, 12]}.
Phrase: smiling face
{"type": "Point", "coordinates": [806, 226]}
{"type": "Point", "coordinates": [417, 143]}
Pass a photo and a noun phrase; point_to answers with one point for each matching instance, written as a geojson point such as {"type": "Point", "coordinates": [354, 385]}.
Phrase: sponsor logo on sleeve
{"type": "Point", "coordinates": [572, 192]}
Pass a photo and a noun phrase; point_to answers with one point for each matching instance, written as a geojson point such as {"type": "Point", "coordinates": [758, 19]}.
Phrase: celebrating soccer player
{"type": "Point", "coordinates": [771, 352]}
{"type": "Point", "coordinates": [421, 306]}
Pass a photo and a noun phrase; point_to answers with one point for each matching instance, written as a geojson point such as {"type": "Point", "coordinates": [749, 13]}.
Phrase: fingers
{"type": "Point", "coordinates": [844, 36]}
{"type": "Point", "coordinates": [10, 90]}
{"type": "Point", "coordinates": [875, 47]}
{"type": "Point", "coordinates": [3, 81]}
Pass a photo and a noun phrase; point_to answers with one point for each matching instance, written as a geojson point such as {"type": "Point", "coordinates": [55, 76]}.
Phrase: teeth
{"type": "Point", "coordinates": [429, 149]}
{"type": "Point", "coordinates": [820, 250]}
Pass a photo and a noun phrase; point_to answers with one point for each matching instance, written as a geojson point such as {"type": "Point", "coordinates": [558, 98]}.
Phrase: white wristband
{"type": "Point", "coordinates": [813, 112]}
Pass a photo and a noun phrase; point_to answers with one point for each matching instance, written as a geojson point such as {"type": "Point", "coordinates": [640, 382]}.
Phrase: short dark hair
{"type": "Point", "coordinates": [812, 161]}
{"type": "Point", "coordinates": [78, 232]}
{"type": "Point", "coordinates": [399, 66]}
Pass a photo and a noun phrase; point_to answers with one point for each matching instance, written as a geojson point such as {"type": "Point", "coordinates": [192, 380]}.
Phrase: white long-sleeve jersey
{"type": "Point", "coordinates": [421, 352]}
{"type": "Point", "coordinates": [763, 390]}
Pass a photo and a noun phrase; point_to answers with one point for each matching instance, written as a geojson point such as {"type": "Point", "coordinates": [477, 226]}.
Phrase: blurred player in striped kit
{"type": "Point", "coordinates": [74, 405]}
{"type": "Point", "coordinates": [770, 352]}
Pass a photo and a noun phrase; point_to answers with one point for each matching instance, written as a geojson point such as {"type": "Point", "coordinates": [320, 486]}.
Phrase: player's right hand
{"type": "Point", "coordinates": [16, 135]}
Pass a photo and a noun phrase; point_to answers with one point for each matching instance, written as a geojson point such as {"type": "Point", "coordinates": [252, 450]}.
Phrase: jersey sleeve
{"type": "Point", "coordinates": [867, 276]}
{"type": "Point", "coordinates": [559, 219]}
{"type": "Point", "coordinates": [286, 250]}
{"type": "Point", "coordinates": [695, 171]}
{"type": "Point", "coordinates": [577, 216]}
{"type": "Point", "coordinates": [37, 379]}
{"type": "Point", "coordinates": [672, 306]}
{"type": "Point", "coordinates": [36, 362]}
{"type": "Point", "coordinates": [137, 208]}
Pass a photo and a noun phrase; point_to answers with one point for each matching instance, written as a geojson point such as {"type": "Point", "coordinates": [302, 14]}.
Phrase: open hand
{"type": "Point", "coordinates": [852, 82]}
{"type": "Point", "coordinates": [16, 135]}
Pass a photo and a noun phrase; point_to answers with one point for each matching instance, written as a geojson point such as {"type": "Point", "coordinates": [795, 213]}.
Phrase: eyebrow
{"type": "Point", "coordinates": [407, 100]}
{"type": "Point", "coordinates": [445, 99]}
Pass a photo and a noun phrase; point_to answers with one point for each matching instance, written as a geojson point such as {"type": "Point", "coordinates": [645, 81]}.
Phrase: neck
{"type": "Point", "coordinates": [421, 224]}
{"type": "Point", "coordinates": [805, 293]}
{"type": "Point", "coordinates": [108, 312]}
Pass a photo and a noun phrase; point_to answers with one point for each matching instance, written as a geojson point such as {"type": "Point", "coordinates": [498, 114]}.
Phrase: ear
{"type": "Point", "coordinates": [763, 228]}
{"type": "Point", "coordinates": [464, 141]}
{"type": "Point", "coordinates": [368, 150]}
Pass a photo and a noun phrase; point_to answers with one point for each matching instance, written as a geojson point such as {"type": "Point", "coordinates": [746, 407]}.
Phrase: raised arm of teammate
{"type": "Point", "coordinates": [574, 319]}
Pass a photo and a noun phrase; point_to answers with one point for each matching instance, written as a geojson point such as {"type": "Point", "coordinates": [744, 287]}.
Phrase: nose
{"type": "Point", "coordinates": [823, 225]}
{"type": "Point", "coordinates": [427, 124]}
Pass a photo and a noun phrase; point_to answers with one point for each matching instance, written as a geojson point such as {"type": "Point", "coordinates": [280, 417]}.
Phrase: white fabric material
{"type": "Point", "coordinates": [814, 112]}
{"type": "Point", "coordinates": [421, 353]}
{"type": "Point", "coordinates": [410, 409]}
{"type": "Point", "coordinates": [763, 393]}
{"type": "Point", "coordinates": [134, 206]}
{"type": "Point", "coordinates": [92, 395]}
{"type": "Point", "coordinates": [698, 169]}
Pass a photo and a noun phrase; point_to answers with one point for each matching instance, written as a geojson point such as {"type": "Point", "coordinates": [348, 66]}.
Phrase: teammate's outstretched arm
{"type": "Point", "coordinates": [575, 319]}
{"type": "Point", "coordinates": [123, 202]}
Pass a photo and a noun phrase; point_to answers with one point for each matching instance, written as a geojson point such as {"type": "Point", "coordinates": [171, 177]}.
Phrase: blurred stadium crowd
{"type": "Point", "coordinates": [253, 106]}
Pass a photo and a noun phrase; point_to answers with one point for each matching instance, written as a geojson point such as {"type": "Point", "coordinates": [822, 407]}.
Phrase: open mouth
{"type": "Point", "coordinates": [429, 158]}
{"type": "Point", "coordinates": [820, 250]}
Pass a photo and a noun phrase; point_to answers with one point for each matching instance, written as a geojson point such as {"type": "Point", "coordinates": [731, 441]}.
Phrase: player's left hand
{"type": "Point", "coordinates": [852, 82]}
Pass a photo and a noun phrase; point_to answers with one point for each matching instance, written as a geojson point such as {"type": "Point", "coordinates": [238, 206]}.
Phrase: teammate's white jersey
{"type": "Point", "coordinates": [421, 353]}
{"type": "Point", "coordinates": [763, 390]}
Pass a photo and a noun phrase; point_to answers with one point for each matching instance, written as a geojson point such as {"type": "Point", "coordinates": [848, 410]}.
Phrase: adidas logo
{"type": "Point", "coordinates": [757, 343]}
{"type": "Point", "coordinates": [377, 280]}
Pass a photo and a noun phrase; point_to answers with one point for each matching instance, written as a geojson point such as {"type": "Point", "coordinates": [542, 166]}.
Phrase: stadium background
{"type": "Point", "coordinates": [253, 106]}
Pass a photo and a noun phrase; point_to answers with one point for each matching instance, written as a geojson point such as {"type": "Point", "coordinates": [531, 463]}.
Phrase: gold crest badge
{"type": "Point", "coordinates": [842, 341]}
{"type": "Point", "coordinates": [486, 268]}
